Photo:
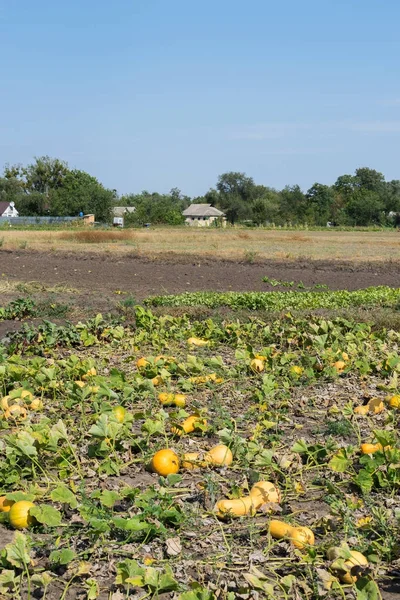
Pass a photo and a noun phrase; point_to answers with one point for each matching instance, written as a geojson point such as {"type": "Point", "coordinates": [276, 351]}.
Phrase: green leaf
{"type": "Point", "coordinates": [108, 498]}
{"type": "Point", "coordinates": [17, 553]}
{"type": "Point", "coordinates": [153, 426]}
{"type": "Point", "coordinates": [300, 447]}
{"type": "Point", "coordinates": [364, 480]}
{"type": "Point", "coordinates": [93, 590]}
{"type": "Point", "coordinates": [64, 495]}
{"type": "Point", "coordinates": [166, 581]}
{"type": "Point", "coordinates": [340, 463]}
{"type": "Point", "coordinates": [134, 524]}
{"type": "Point", "coordinates": [62, 557]}
{"type": "Point", "coordinates": [47, 515]}
{"type": "Point", "coordinates": [174, 478]}
{"type": "Point", "coordinates": [7, 578]}
{"type": "Point", "coordinates": [366, 589]}
{"type": "Point", "coordinates": [17, 496]}
{"type": "Point", "coordinates": [129, 571]}
{"type": "Point", "coordinates": [42, 579]}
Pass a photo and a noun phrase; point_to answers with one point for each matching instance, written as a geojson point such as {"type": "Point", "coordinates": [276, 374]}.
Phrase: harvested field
{"type": "Point", "coordinates": [237, 244]}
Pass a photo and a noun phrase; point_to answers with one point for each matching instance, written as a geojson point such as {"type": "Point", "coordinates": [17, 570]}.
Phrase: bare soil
{"type": "Point", "coordinates": [171, 274]}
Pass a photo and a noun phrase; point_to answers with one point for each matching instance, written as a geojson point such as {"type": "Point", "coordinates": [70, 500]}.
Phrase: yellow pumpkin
{"type": "Point", "coordinates": [257, 365]}
{"type": "Point", "coordinates": [15, 412]}
{"type": "Point", "coordinates": [301, 537]}
{"type": "Point", "coordinates": [375, 406]}
{"type": "Point", "coordinates": [265, 491]}
{"type": "Point", "coordinates": [220, 455]}
{"type": "Point", "coordinates": [357, 560]}
{"type": "Point", "coordinates": [339, 366]}
{"type": "Point", "coordinates": [361, 410]}
{"type": "Point", "coordinates": [19, 516]}
{"type": "Point", "coordinates": [36, 404]}
{"type": "Point", "coordinates": [142, 363]}
{"type": "Point", "coordinates": [279, 529]}
{"type": "Point", "coordinates": [4, 402]}
{"type": "Point", "coordinates": [189, 425]}
{"type": "Point", "coordinates": [165, 462]}
{"type": "Point", "coordinates": [236, 508]}
{"type": "Point", "coordinates": [5, 504]}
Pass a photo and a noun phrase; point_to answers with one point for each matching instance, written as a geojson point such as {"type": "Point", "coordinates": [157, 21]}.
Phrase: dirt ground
{"type": "Point", "coordinates": [171, 274]}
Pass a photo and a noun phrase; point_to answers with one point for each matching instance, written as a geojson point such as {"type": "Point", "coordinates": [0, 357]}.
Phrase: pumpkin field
{"type": "Point", "coordinates": [153, 453]}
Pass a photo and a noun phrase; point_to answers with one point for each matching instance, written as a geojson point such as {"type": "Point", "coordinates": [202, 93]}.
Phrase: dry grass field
{"type": "Point", "coordinates": [235, 244]}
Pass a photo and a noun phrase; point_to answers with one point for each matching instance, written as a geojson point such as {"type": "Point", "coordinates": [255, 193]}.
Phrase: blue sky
{"type": "Point", "coordinates": [153, 94]}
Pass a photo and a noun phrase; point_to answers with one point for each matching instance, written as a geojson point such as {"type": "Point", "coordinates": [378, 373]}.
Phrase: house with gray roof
{"type": "Point", "coordinates": [203, 215]}
{"type": "Point", "coordinates": [121, 211]}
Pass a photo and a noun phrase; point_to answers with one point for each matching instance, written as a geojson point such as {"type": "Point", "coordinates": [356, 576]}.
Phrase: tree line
{"type": "Point", "coordinates": [49, 187]}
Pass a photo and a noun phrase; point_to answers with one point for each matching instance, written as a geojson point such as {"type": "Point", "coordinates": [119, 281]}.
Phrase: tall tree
{"type": "Point", "coordinates": [293, 206]}
{"type": "Point", "coordinates": [320, 200]}
{"type": "Point", "coordinates": [236, 191]}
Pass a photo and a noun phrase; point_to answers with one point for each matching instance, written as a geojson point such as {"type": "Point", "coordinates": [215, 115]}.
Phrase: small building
{"type": "Point", "coordinates": [121, 211]}
{"type": "Point", "coordinates": [88, 219]}
{"type": "Point", "coordinates": [203, 215]}
{"type": "Point", "coordinates": [7, 209]}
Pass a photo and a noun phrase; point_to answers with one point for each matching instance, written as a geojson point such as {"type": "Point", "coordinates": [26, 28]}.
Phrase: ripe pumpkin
{"type": "Point", "coordinates": [15, 412]}
{"type": "Point", "coordinates": [339, 366]}
{"type": "Point", "coordinates": [264, 491]}
{"type": "Point", "coordinates": [370, 448]}
{"type": "Point", "coordinates": [5, 504]}
{"type": "Point", "coordinates": [279, 529]}
{"type": "Point", "coordinates": [4, 402]}
{"type": "Point", "coordinates": [19, 516]}
{"type": "Point", "coordinates": [361, 410]}
{"type": "Point", "coordinates": [165, 462]}
{"type": "Point", "coordinates": [119, 413]}
{"type": "Point", "coordinates": [220, 455]}
{"type": "Point", "coordinates": [189, 425]}
{"type": "Point", "coordinates": [394, 402]}
{"type": "Point", "coordinates": [178, 400]}
{"type": "Point", "coordinates": [257, 365]}
{"type": "Point", "coordinates": [142, 363]}
{"type": "Point", "coordinates": [375, 406]}
{"type": "Point", "coordinates": [356, 560]}
{"type": "Point", "coordinates": [301, 537]}
{"type": "Point", "coordinates": [237, 508]}
{"type": "Point", "coordinates": [36, 404]}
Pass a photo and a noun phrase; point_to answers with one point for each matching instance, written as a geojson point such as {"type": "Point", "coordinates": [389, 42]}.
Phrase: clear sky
{"type": "Point", "coordinates": [153, 94]}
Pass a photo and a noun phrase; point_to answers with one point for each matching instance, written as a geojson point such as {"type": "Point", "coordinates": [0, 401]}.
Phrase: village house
{"type": "Point", "coordinates": [203, 215]}
{"type": "Point", "coordinates": [7, 209]}
{"type": "Point", "coordinates": [121, 211]}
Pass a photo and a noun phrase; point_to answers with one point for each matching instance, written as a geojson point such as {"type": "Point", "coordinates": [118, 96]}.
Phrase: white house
{"type": "Point", "coordinates": [7, 209]}
{"type": "Point", "coordinates": [203, 215]}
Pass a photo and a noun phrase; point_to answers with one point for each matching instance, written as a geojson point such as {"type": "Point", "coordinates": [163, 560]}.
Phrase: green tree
{"type": "Point", "coordinates": [365, 208]}
{"type": "Point", "coordinates": [236, 192]}
{"type": "Point", "coordinates": [293, 205]}
{"type": "Point", "coordinates": [320, 200]}
{"type": "Point", "coordinates": [369, 179]}
{"type": "Point", "coordinates": [155, 208]}
{"type": "Point", "coordinates": [265, 206]}
{"type": "Point", "coordinates": [41, 176]}
{"type": "Point", "coordinates": [81, 192]}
